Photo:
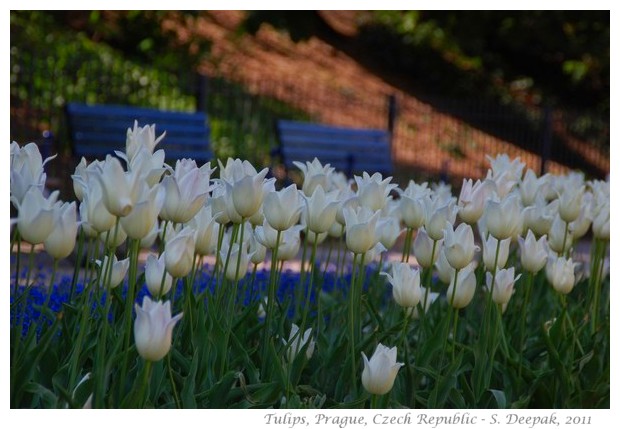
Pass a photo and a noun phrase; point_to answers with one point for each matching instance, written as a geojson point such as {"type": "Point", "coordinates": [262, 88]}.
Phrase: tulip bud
{"type": "Point", "coordinates": [570, 204]}
{"type": "Point", "coordinates": [186, 191]}
{"type": "Point", "coordinates": [297, 341]}
{"type": "Point", "coordinates": [36, 215]}
{"type": "Point", "coordinates": [539, 217]}
{"type": "Point", "coordinates": [119, 269]}
{"type": "Point", "coordinates": [153, 329]}
{"type": "Point", "coordinates": [26, 170]}
{"type": "Point", "coordinates": [489, 250]}
{"type": "Point", "coordinates": [153, 274]}
{"type": "Point", "coordinates": [143, 217]}
{"type": "Point", "coordinates": [361, 229]}
{"type": "Point", "coordinates": [119, 188]}
{"type": "Point", "coordinates": [504, 285]}
{"type": "Point", "coordinates": [600, 224]}
{"type": "Point", "coordinates": [247, 193]}
{"type": "Point", "coordinates": [503, 218]}
{"type": "Point", "coordinates": [207, 231]}
{"type": "Point", "coordinates": [423, 249]}
{"type": "Point", "coordinates": [444, 269]}
{"type": "Point", "coordinates": [99, 218]}
{"type": "Point", "coordinates": [413, 211]}
{"type": "Point", "coordinates": [436, 218]}
{"type": "Point", "coordinates": [315, 175]}
{"type": "Point", "coordinates": [459, 245]}
{"type": "Point", "coordinates": [320, 210]}
{"type": "Point", "coordinates": [380, 371]}
{"type": "Point", "coordinates": [465, 287]}
{"type": "Point", "coordinates": [140, 138]}
{"type": "Point", "coordinates": [61, 241]}
{"type": "Point", "coordinates": [530, 185]}
{"type": "Point", "coordinates": [472, 199]}
{"type": "Point", "coordinates": [405, 282]}
{"type": "Point", "coordinates": [373, 190]}
{"type": "Point", "coordinates": [388, 230]}
{"type": "Point", "coordinates": [179, 253]}
{"type": "Point", "coordinates": [533, 253]}
{"type": "Point", "coordinates": [561, 274]}
{"type": "Point", "coordinates": [282, 208]}
{"type": "Point", "coordinates": [559, 238]}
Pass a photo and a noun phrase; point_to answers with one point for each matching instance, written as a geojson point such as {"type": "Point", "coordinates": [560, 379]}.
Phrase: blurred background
{"type": "Point", "coordinates": [451, 86]}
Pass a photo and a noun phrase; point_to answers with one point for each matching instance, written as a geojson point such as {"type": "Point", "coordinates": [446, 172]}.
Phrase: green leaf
{"type": "Point", "coordinates": [47, 397]}
{"type": "Point", "coordinates": [189, 385]}
{"type": "Point", "coordinates": [500, 398]}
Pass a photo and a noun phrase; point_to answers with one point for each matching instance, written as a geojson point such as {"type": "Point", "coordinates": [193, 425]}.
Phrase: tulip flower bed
{"type": "Point", "coordinates": [486, 305]}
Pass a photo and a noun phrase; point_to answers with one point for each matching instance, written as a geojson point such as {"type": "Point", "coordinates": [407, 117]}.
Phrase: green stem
{"type": "Point", "coordinates": [309, 292]}
{"type": "Point", "coordinates": [341, 251]}
{"type": "Point", "coordinates": [17, 262]}
{"type": "Point", "coordinates": [271, 299]}
{"type": "Point", "coordinates": [564, 241]}
{"type": "Point", "coordinates": [428, 273]}
{"type": "Point", "coordinates": [329, 256]}
{"type": "Point", "coordinates": [598, 282]}
{"type": "Point", "coordinates": [50, 288]}
{"type": "Point", "coordinates": [230, 304]}
{"type": "Point", "coordinates": [302, 274]}
{"type": "Point", "coordinates": [407, 245]}
{"type": "Point", "coordinates": [162, 243]}
{"type": "Point", "coordinates": [143, 393]}
{"type": "Point", "coordinates": [252, 282]}
{"type": "Point", "coordinates": [374, 402]}
{"type": "Point", "coordinates": [222, 290]}
{"type": "Point", "coordinates": [134, 250]}
{"type": "Point", "coordinates": [30, 264]}
{"type": "Point", "coordinates": [82, 328]}
{"type": "Point", "coordinates": [455, 331]}
{"type": "Point", "coordinates": [358, 299]}
{"type": "Point", "coordinates": [100, 378]}
{"type": "Point", "coordinates": [524, 311]}
{"type": "Point", "coordinates": [76, 269]}
{"type": "Point", "coordinates": [575, 339]}
{"type": "Point", "coordinates": [404, 344]}
{"type": "Point", "coordinates": [352, 325]}
{"type": "Point", "coordinates": [177, 401]}
{"type": "Point", "coordinates": [450, 311]}
{"type": "Point", "coordinates": [490, 297]}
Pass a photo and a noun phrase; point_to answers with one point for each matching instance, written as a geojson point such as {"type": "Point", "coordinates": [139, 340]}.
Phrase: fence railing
{"type": "Point", "coordinates": [431, 138]}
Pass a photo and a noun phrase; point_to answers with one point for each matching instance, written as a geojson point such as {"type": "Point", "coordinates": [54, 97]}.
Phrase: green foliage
{"type": "Point", "coordinates": [563, 364]}
{"type": "Point", "coordinates": [51, 65]}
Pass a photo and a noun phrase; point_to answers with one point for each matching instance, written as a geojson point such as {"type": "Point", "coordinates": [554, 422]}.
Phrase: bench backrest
{"type": "Point", "coordinates": [98, 130]}
{"type": "Point", "coordinates": [351, 150]}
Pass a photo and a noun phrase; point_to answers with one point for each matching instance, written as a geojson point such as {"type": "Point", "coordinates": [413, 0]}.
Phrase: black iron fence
{"type": "Point", "coordinates": [431, 137]}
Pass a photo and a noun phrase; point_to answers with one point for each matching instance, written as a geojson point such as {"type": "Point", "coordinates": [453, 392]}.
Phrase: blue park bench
{"type": "Point", "coordinates": [98, 130]}
{"type": "Point", "coordinates": [350, 150]}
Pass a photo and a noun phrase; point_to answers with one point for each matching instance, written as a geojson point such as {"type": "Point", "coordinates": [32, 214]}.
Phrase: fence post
{"type": "Point", "coordinates": [547, 138]}
{"type": "Point", "coordinates": [201, 92]}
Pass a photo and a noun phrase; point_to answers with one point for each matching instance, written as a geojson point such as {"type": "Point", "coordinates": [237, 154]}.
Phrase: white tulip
{"type": "Point", "coordinates": [153, 329]}
{"type": "Point", "coordinates": [380, 371]}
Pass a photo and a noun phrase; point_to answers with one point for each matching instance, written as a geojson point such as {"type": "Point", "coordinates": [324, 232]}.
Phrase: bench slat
{"type": "Point", "coordinates": [112, 125]}
{"type": "Point", "coordinates": [113, 110]}
{"type": "Point", "coordinates": [352, 150]}
{"type": "Point", "coordinates": [97, 130]}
